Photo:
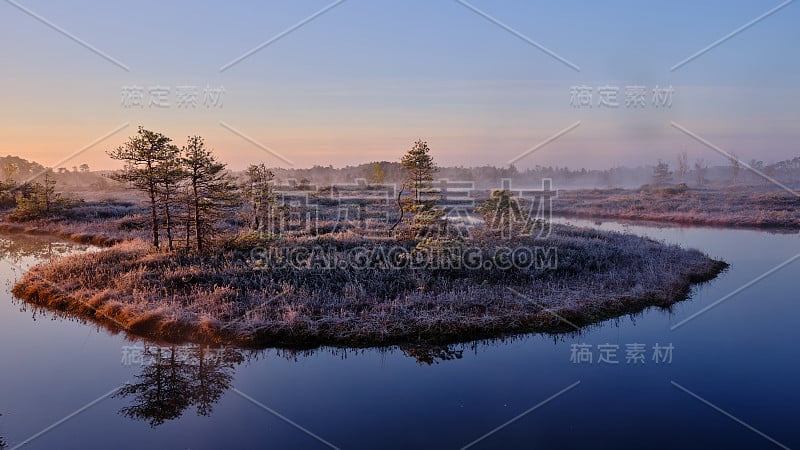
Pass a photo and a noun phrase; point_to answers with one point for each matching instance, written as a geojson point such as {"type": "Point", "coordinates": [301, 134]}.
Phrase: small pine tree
{"type": "Point", "coordinates": [39, 201]}
{"type": "Point", "coordinates": [502, 212]}
{"type": "Point", "coordinates": [661, 173]}
{"type": "Point", "coordinates": [210, 190]}
{"type": "Point", "coordinates": [258, 189]}
{"type": "Point", "coordinates": [418, 167]}
{"type": "Point", "coordinates": [378, 174]}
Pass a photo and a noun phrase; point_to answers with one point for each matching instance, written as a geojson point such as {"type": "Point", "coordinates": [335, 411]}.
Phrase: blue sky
{"type": "Point", "coordinates": [364, 80]}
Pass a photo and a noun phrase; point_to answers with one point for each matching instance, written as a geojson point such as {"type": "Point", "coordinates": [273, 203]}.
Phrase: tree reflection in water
{"type": "Point", "coordinates": [2, 441]}
{"type": "Point", "coordinates": [432, 354]}
{"type": "Point", "coordinates": [176, 378]}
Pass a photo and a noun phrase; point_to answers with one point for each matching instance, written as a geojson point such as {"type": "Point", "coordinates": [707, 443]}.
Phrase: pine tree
{"type": "Point", "coordinates": [418, 167]}
{"type": "Point", "coordinates": [378, 174]}
{"type": "Point", "coordinates": [210, 189]}
{"type": "Point", "coordinates": [171, 175]}
{"type": "Point", "coordinates": [144, 155]}
{"type": "Point", "coordinates": [258, 189]}
{"type": "Point", "coordinates": [661, 173]}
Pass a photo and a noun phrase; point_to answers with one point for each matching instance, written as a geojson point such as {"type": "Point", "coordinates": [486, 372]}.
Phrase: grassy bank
{"type": "Point", "coordinates": [733, 207]}
{"type": "Point", "coordinates": [102, 223]}
{"type": "Point", "coordinates": [48, 229]}
{"type": "Point", "coordinates": [255, 299]}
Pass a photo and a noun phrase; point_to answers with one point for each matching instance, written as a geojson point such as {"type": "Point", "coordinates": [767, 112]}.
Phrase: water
{"type": "Point", "coordinates": [739, 356]}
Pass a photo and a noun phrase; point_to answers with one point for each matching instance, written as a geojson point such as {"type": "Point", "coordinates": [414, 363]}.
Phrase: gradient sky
{"type": "Point", "coordinates": [367, 78]}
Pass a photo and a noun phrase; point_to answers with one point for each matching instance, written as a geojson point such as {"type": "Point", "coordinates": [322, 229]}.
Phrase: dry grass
{"type": "Point", "coordinates": [102, 223]}
{"type": "Point", "coordinates": [733, 207]}
{"type": "Point", "coordinates": [221, 299]}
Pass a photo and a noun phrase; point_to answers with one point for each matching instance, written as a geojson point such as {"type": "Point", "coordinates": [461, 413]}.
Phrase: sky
{"type": "Point", "coordinates": [342, 83]}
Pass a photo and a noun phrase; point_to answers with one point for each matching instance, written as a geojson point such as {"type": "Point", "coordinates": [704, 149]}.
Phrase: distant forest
{"type": "Point", "coordinates": [696, 173]}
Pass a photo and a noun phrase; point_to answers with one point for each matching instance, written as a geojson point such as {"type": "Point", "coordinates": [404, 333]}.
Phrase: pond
{"type": "Point", "coordinates": [717, 370]}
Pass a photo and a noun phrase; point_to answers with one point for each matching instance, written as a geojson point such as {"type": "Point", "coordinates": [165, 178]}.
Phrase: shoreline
{"type": "Point", "coordinates": [473, 311]}
{"type": "Point", "coordinates": [202, 334]}
{"type": "Point", "coordinates": [677, 222]}
{"type": "Point", "coordinates": [674, 205]}
{"type": "Point", "coordinates": [77, 237]}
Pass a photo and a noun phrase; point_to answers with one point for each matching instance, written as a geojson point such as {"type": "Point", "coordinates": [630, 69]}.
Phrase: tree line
{"type": "Point", "coordinates": [31, 199]}
{"type": "Point", "coordinates": [186, 187]}
{"type": "Point", "coordinates": [188, 191]}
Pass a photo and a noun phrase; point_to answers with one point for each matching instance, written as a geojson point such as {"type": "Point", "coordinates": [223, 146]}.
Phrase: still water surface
{"type": "Point", "coordinates": [740, 356]}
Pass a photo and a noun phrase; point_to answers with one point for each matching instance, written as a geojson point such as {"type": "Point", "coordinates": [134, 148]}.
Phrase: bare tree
{"type": "Point", "coordinates": [735, 167]}
{"type": "Point", "coordinates": [683, 165]}
{"type": "Point", "coordinates": [258, 188]}
{"type": "Point", "coordinates": [701, 169]}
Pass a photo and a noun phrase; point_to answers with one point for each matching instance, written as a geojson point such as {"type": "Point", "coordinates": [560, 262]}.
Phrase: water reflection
{"type": "Point", "coordinates": [174, 379]}
{"type": "Point", "coordinates": [2, 441]}
{"type": "Point", "coordinates": [408, 398]}
{"type": "Point", "coordinates": [627, 225]}
{"type": "Point", "coordinates": [432, 354]}
{"type": "Point", "coordinates": [18, 249]}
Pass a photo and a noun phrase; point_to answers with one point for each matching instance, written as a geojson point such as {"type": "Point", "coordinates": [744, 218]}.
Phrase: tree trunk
{"type": "Point", "coordinates": [198, 233]}
{"type": "Point", "coordinates": [168, 223]}
{"type": "Point", "coordinates": [188, 233]}
{"type": "Point", "coordinates": [154, 215]}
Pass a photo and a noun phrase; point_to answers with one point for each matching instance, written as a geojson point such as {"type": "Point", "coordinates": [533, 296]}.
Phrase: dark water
{"type": "Point", "coordinates": [740, 357]}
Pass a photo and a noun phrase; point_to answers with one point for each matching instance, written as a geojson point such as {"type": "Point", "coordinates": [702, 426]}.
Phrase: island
{"type": "Point", "coordinates": [204, 255]}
